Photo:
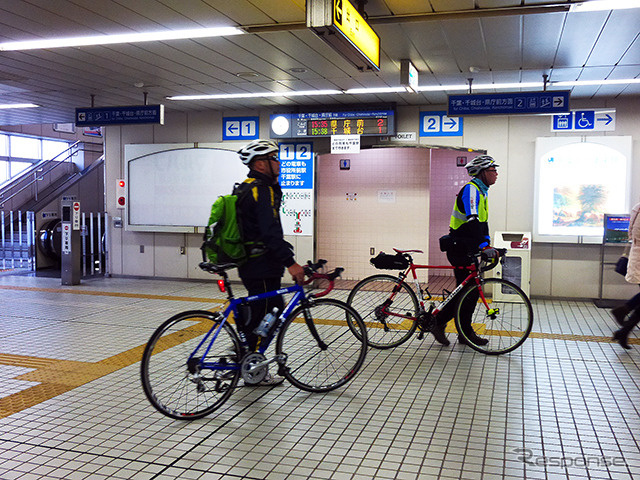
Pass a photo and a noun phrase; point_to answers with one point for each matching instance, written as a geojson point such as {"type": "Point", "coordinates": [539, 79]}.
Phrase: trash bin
{"type": "Point", "coordinates": [517, 264]}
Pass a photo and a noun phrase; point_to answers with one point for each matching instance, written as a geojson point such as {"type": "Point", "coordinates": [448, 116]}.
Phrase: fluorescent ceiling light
{"type": "Point", "coordinates": [18, 105]}
{"type": "Point", "coordinates": [230, 96]}
{"type": "Point", "coordinates": [121, 38]}
{"type": "Point", "coordinates": [581, 83]}
{"type": "Point", "coordinates": [597, 5]}
{"type": "Point", "coordinates": [430, 88]}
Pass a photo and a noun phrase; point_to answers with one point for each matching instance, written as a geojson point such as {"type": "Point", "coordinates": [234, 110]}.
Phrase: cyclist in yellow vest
{"type": "Point", "coordinates": [469, 228]}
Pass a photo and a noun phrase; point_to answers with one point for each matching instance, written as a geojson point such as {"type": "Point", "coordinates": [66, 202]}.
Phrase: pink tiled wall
{"type": "Point", "coordinates": [352, 218]}
{"type": "Point", "coordinates": [446, 181]}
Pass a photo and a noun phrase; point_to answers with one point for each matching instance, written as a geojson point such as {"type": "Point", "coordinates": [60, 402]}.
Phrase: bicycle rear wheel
{"type": "Point", "coordinates": [504, 326]}
{"type": "Point", "coordinates": [390, 317]}
{"type": "Point", "coordinates": [179, 378]}
{"type": "Point", "coordinates": [323, 353]}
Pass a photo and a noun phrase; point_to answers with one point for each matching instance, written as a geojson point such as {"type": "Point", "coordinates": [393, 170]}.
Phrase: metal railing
{"type": "Point", "coordinates": [17, 249]}
{"type": "Point", "coordinates": [38, 172]}
{"type": "Point", "coordinates": [18, 242]}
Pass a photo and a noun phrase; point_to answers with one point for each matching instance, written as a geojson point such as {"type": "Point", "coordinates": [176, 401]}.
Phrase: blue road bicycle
{"type": "Point", "coordinates": [193, 361]}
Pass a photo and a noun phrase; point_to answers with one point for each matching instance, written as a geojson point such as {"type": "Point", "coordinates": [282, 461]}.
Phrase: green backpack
{"type": "Point", "coordinates": [222, 241]}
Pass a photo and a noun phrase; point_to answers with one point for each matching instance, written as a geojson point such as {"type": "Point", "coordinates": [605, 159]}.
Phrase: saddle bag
{"type": "Point", "coordinates": [384, 261]}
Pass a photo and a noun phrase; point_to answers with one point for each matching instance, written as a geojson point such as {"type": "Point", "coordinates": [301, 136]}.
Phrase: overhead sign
{"type": "Point", "coordinates": [439, 124]}
{"type": "Point", "coordinates": [326, 124]}
{"type": "Point", "coordinates": [603, 120]}
{"type": "Point", "coordinates": [128, 115]}
{"type": "Point", "coordinates": [339, 23]}
{"type": "Point", "coordinates": [240, 128]}
{"type": "Point", "coordinates": [509, 103]}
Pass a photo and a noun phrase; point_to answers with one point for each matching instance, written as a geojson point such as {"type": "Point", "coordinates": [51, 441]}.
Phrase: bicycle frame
{"type": "Point", "coordinates": [474, 275]}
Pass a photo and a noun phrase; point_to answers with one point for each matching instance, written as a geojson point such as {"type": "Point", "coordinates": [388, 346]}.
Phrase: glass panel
{"type": "Point", "coordinates": [4, 145]}
{"type": "Point", "coordinates": [51, 148]}
{"type": "Point", "coordinates": [17, 167]}
{"type": "Point", "coordinates": [4, 170]}
{"type": "Point", "coordinates": [24, 147]}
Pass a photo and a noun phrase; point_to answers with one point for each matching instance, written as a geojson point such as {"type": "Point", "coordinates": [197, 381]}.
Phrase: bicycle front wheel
{"type": "Point", "coordinates": [389, 308]}
{"type": "Point", "coordinates": [504, 326]}
{"type": "Point", "coordinates": [179, 376]}
{"type": "Point", "coordinates": [322, 351]}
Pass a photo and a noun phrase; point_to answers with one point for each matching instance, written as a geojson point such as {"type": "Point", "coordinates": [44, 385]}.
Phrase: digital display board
{"type": "Point", "coordinates": [616, 228]}
{"type": "Point", "coordinates": [300, 125]}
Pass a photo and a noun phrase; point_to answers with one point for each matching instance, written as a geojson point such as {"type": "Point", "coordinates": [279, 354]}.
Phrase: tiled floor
{"type": "Point", "coordinates": [564, 406]}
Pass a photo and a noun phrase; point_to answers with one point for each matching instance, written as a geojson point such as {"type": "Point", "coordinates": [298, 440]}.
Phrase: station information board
{"type": "Point", "coordinates": [326, 124]}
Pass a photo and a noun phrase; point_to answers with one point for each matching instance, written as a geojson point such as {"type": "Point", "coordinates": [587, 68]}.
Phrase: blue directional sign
{"type": "Point", "coordinates": [603, 120]}
{"type": "Point", "coordinates": [296, 165]}
{"type": "Point", "coordinates": [240, 128]}
{"type": "Point", "coordinates": [438, 124]}
{"type": "Point", "coordinates": [128, 115]}
{"type": "Point", "coordinates": [509, 103]}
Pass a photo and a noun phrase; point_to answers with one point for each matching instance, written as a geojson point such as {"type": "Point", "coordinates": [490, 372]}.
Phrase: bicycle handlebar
{"type": "Point", "coordinates": [311, 270]}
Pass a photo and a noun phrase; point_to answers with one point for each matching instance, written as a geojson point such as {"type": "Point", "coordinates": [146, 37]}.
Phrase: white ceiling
{"type": "Point", "coordinates": [503, 45]}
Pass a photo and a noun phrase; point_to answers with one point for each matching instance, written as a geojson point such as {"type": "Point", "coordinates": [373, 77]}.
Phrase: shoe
{"type": "Point", "coordinates": [268, 381]}
{"type": "Point", "coordinates": [439, 335]}
{"type": "Point", "coordinates": [621, 337]}
{"type": "Point", "coordinates": [620, 313]}
{"type": "Point", "coordinates": [478, 341]}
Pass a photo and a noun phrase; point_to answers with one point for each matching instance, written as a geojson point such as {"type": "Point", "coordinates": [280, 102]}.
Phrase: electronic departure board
{"type": "Point", "coordinates": [297, 125]}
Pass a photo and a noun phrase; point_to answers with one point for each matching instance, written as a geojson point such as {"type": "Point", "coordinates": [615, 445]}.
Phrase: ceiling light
{"type": "Point", "coordinates": [597, 5]}
{"type": "Point", "coordinates": [582, 83]}
{"type": "Point", "coordinates": [246, 74]}
{"type": "Point", "coordinates": [120, 38]}
{"type": "Point", "coordinates": [18, 105]}
{"type": "Point", "coordinates": [357, 91]}
{"type": "Point", "coordinates": [230, 96]}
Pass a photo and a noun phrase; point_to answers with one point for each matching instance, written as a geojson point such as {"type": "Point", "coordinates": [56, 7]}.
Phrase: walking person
{"type": "Point", "coordinates": [469, 227]}
{"type": "Point", "coordinates": [261, 227]}
{"type": "Point", "coordinates": [628, 315]}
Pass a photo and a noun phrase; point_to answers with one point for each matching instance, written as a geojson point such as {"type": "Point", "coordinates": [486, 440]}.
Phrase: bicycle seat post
{"type": "Point", "coordinates": [227, 284]}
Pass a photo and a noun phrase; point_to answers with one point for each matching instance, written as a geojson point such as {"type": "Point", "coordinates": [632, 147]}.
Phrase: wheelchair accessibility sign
{"type": "Point", "coordinates": [585, 120]}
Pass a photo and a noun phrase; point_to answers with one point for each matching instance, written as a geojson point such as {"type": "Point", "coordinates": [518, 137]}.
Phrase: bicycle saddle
{"type": "Point", "coordinates": [407, 251]}
{"type": "Point", "coordinates": [216, 267]}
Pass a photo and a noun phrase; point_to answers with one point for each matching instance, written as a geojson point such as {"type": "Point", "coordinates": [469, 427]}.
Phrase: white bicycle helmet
{"type": "Point", "coordinates": [478, 164]}
{"type": "Point", "coordinates": [256, 149]}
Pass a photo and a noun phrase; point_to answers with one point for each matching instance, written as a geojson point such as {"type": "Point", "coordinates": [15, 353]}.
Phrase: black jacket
{"type": "Point", "coordinates": [259, 212]}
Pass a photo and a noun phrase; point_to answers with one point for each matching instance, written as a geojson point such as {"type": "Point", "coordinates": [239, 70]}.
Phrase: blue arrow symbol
{"type": "Point", "coordinates": [450, 123]}
{"type": "Point", "coordinates": [609, 119]}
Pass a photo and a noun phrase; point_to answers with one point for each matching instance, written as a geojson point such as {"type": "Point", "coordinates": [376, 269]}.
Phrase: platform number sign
{"type": "Point", "coordinates": [296, 180]}
{"type": "Point", "coordinates": [439, 124]}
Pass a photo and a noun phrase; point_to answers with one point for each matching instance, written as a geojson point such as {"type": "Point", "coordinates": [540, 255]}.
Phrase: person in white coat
{"type": "Point", "coordinates": [628, 315]}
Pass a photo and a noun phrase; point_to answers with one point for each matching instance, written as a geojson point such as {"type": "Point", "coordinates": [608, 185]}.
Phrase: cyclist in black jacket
{"type": "Point", "coordinates": [259, 214]}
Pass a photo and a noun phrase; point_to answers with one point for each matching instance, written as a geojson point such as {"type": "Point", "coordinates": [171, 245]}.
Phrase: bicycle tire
{"type": "Point", "coordinates": [505, 329]}
{"type": "Point", "coordinates": [367, 298]}
{"type": "Point", "coordinates": [312, 367]}
{"type": "Point", "coordinates": [182, 390]}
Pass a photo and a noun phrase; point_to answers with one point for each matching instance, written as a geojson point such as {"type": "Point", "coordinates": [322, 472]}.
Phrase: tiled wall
{"type": "Point", "coordinates": [388, 198]}
{"type": "Point", "coordinates": [382, 201]}
{"type": "Point", "coordinates": [447, 179]}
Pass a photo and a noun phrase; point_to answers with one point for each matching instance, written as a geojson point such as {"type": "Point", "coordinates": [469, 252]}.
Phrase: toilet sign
{"type": "Point", "coordinates": [603, 120]}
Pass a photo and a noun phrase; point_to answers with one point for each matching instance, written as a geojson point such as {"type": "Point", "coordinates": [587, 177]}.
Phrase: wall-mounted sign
{"type": "Point", "coordinates": [326, 124]}
{"type": "Point", "coordinates": [296, 180]}
{"type": "Point", "coordinates": [128, 115]}
{"type": "Point", "coordinates": [339, 23]}
{"type": "Point", "coordinates": [345, 144]}
{"type": "Point", "coordinates": [240, 128]}
{"type": "Point", "coordinates": [439, 124]}
{"type": "Point", "coordinates": [509, 103]}
{"type": "Point", "coordinates": [585, 120]}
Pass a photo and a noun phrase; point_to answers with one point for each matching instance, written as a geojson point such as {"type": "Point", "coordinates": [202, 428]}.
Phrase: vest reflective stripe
{"type": "Point", "coordinates": [459, 218]}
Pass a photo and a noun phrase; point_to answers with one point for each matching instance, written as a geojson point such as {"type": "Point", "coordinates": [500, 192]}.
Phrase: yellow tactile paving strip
{"type": "Point", "coordinates": [56, 377]}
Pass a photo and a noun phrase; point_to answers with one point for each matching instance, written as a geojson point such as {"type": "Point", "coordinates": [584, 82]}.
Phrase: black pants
{"type": "Point", "coordinates": [259, 308]}
{"type": "Point", "coordinates": [459, 258]}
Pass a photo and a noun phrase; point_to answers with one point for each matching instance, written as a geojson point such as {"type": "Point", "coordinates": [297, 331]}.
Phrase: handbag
{"type": "Point", "coordinates": [623, 262]}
